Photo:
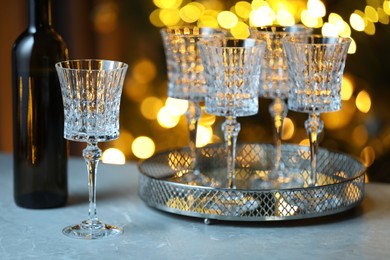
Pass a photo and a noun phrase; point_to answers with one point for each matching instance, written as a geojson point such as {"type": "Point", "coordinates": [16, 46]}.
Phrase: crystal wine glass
{"type": "Point", "coordinates": [274, 84]}
{"type": "Point", "coordinates": [233, 70]}
{"type": "Point", "coordinates": [91, 91]}
{"type": "Point", "coordinates": [315, 65]}
{"type": "Point", "coordinates": [186, 81]}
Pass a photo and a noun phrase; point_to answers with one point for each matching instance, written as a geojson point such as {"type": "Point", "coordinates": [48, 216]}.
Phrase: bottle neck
{"type": "Point", "coordinates": [39, 13]}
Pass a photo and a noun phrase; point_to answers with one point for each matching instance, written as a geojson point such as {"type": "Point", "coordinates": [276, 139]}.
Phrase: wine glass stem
{"type": "Point", "coordinates": [193, 114]}
{"type": "Point", "coordinates": [278, 111]}
{"type": "Point", "coordinates": [92, 155]}
{"type": "Point", "coordinates": [314, 126]}
{"type": "Point", "coordinates": [231, 128]}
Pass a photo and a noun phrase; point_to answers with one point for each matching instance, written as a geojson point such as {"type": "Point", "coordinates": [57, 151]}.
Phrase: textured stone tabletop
{"type": "Point", "coordinates": [362, 233]}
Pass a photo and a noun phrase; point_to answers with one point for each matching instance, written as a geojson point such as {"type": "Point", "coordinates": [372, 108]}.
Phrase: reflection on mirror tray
{"type": "Point", "coordinates": [340, 184]}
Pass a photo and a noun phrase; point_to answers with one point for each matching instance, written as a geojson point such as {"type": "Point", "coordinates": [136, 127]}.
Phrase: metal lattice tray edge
{"type": "Point", "coordinates": [340, 184]}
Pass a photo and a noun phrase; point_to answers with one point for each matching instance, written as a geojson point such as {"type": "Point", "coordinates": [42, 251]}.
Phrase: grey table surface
{"type": "Point", "coordinates": [361, 233]}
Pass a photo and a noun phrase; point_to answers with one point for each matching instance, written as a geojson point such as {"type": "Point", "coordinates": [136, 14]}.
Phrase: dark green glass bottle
{"type": "Point", "coordinates": [40, 151]}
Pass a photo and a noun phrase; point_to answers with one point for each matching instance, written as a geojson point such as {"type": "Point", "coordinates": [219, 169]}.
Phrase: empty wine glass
{"type": "Point", "coordinates": [91, 92]}
{"type": "Point", "coordinates": [315, 65]}
{"type": "Point", "coordinates": [186, 81]}
{"type": "Point", "coordinates": [233, 70]}
{"type": "Point", "coordinates": [274, 84]}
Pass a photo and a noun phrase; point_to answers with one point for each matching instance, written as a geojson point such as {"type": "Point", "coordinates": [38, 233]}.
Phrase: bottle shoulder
{"type": "Point", "coordinates": [40, 43]}
{"type": "Point", "coordinates": [43, 38]}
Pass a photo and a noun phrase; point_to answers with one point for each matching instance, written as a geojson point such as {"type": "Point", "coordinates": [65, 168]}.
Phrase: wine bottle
{"type": "Point", "coordinates": [40, 151]}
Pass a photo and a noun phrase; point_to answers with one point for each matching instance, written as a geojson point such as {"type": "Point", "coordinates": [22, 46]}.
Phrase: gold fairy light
{"type": "Point", "coordinates": [243, 9]}
{"type": "Point", "coordinates": [168, 4]}
{"type": "Point", "coordinates": [371, 14]}
{"type": "Point", "coordinates": [347, 88]}
{"type": "Point", "coordinates": [240, 31]}
{"type": "Point", "coordinates": [143, 147]}
{"type": "Point", "coordinates": [367, 155]}
{"type": "Point", "coordinates": [316, 8]}
{"type": "Point", "coordinates": [227, 19]}
{"type": "Point", "coordinates": [288, 129]}
{"type": "Point", "coordinates": [150, 107]}
{"type": "Point", "coordinates": [363, 101]}
{"type": "Point", "coordinates": [113, 156]}
{"type": "Point", "coordinates": [190, 13]}
{"type": "Point", "coordinates": [166, 119]}
{"type": "Point", "coordinates": [309, 20]}
{"type": "Point", "coordinates": [357, 21]}
{"type": "Point", "coordinates": [203, 135]}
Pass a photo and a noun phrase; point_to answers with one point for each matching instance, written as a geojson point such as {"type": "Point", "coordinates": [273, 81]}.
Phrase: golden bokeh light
{"type": "Point", "coordinates": [367, 155]}
{"type": "Point", "coordinates": [134, 90]}
{"type": "Point", "coordinates": [258, 3]}
{"type": "Point", "coordinates": [240, 31]}
{"type": "Point", "coordinates": [347, 88]}
{"type": "Point", "coordinates": [203, 135]}
{"type": "Point", "coordinates": [370, 28]}
{"type": "Point", "coordinates": [105, 17]}
{"type": "Point", "coordinates": [227, 19]}
{"type": "Point", "coordinates": [383, 17]}
{"type": "Point", "coordinates": [334, 18]}
{"type": "Point", "coordinates": [288, 129]}
{"type": "Point", "coordinates": [143, 147]}
{"type": "Point", "coordinates": [329, 29]}
{"type": "Point", "coordinates": [207, 119]}
{"type": "Point", "coordinates": [285, 18]}
{"type": "Point", "coordinates": [340, 118]}
{"type": "Point", "coordinates": [113, 156]}
{"type": "Point", "coordinates": [345, 30]}
{"type": "Point", "coordinates": [305, 142]}
{"type": "Point", "coordinates": [262, 16]}
{"type": "Point", "coordinates": [208, 19]}
{"type": "Point", "coordinates": [154, 18]}
{"type": "Point", "coordinates": [316, 8]}
{"type": "Point", "coordinates": [386, 7]}
{"type": "Point", "coordinates": [176, 107]}
{"type": "Point", "coordinates": [144, 71]}
{"type": "Point", "coordinates": [124, 141]}
{"type": "Point", "coordinates": [168, 4]}
{"type": "Point", "coordinates": [357, 22]}
{"type": "Point", "coordinates": [190, 13]}
{"type": "Point", "coordinates": [166, 119]}
{"type": "Point", "coordinates": [310, 21]}
{"type": "Point", "coordinates": [150, 107]}
{"type": "Point", "coordinates": [363, 101]}
{"type": "Point", "coordinates": [243, 9]}
{"type": "Point", "coordinates": [371, 14]}
{"type": "Point", "coordinates": [352, 47]}
{"type": "Point", "coordinates": [359, 135]}
{"type": "Point", "coordinates": [169, 17]}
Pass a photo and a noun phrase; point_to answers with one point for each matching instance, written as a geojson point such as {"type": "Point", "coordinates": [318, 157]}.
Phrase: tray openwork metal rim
{"type": "Point", "coordinates": [341, 184]}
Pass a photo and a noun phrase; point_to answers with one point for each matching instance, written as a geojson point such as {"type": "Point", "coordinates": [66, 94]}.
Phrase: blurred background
{"type": "Point", "coordinates": [150, 122]}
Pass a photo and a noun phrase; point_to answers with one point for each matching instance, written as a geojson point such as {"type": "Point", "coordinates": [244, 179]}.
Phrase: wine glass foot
{"type": "Point", "coordinates": [88, 230]}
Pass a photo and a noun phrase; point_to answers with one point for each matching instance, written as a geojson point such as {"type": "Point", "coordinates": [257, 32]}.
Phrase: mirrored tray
{"type": "Point", "coordinates": [340, 184]}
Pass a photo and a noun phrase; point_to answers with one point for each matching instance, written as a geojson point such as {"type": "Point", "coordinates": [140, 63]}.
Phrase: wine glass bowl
{"type": "Point", "coordinates": [91, 95]}
{"type": "Point", "coordinates": [274, 80]}
{"type": "Point", "coordinates": [184, 66]}
{"type": "Point", "coordinates": [91, 91]}
{"type": "Point", "coordinates": [274, 84]}
{"type": "Point", "coordinates": [316, 66]}
{"type": "Point", "coordinates": [186, 80]}
{"type": "Point", "coordinates": [232, 71]}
